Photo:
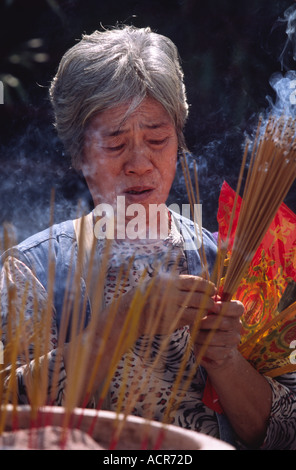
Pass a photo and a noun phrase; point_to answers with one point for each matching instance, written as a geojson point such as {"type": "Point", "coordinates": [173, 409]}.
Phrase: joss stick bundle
{"type": "Point", "coordinates": [271, 173]}
{"type": "Point", "coordinates": [27, 344]}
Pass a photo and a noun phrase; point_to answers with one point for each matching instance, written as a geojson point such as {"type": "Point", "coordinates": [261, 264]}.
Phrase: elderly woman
{"type": "Point", "coordinates": [120, 108]}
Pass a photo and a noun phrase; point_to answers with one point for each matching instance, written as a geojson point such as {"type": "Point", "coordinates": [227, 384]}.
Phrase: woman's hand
{"type": "Point", "coordinates": [219, 335]}
{"type": "Point", "coordinates": [173, 302]}
{"type": "Point", "coordinates": [192, 300]}
{"type": "Point", "coordinates": [244, 394]}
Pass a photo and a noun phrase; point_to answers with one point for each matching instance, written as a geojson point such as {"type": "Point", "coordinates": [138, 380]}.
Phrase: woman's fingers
{"type": "Point", "coordinates": [222, 339]}
{"type": "Point", "coordinates": [221, 322]}
{"type": "Point", "coordinates": [221, 333]}
{"type": "Point", "coordinates": [189, 283]}
{"type": "Point", "coordinates": [195, 301]}
{"type": "Point", "coordinates": [234, 308]}
{"type": "Point", "coordinates": [192, 292]}
{"type": "Point", "coordinates": [189, 299]}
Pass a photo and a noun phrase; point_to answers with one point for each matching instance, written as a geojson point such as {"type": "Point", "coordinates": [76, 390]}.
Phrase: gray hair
{"type": "Point", "coordinates": [112, 67]}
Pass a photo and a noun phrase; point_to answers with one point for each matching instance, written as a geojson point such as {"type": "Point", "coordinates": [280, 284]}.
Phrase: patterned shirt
{"type": "Point", "coordinates": [150, 388]}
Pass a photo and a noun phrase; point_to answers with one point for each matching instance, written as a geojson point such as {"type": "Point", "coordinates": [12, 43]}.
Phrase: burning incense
{"type": "Point", "coordinates": [271, 173]}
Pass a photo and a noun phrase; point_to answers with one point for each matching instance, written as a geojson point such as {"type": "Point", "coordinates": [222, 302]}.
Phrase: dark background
{"type": "Point", "coordinates": [229, 51]}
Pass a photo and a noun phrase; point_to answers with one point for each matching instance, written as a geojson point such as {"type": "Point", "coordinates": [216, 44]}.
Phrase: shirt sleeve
{"type": "Point", "coordinates": [29, 337]}
{"type": "Point", "coordinates": [282, 422]}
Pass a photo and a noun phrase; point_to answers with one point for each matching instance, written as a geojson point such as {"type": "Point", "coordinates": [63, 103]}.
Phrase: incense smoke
{"type": "Point", "coordinates": [220, 158]}
{"type": "Point", "coordinates": [290, 21]}
{"type": "Point", "coordinates": [34, 162]}
{"type": "Point", "coordinates": [34, 170]}
{"type": "Point", "coordinates": [284, 84]}
{"type": "Point", "coordinates": [285, 89]}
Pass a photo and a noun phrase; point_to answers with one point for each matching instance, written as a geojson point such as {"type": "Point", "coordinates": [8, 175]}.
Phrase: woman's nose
{"type": "Point", "coordinates": [138, 161]}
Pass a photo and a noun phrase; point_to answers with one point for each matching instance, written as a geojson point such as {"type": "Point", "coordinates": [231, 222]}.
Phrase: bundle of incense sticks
{"type": "Point", "coordinates": [28, 342]}
{"type": "Point", "coordinates": [271, 173]}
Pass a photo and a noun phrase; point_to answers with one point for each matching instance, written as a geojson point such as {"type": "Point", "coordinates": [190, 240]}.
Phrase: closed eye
{"type": "Point", "coordinates": [117, 148]}
{"type": "Point", "coordinates": [158, 142]}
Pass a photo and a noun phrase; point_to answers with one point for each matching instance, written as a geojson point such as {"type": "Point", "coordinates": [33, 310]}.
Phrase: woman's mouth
{"type": "Point", "coordinates": [138, 193]}
{"type": "Point", "coordinates": [138, 190]}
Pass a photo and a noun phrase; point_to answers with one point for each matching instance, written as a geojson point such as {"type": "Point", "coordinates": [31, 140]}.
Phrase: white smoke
{"type": "Point", "coordinates": [285, 90]}
{"type": "Point", "coordinates": [290, 21]}
{"type": "Point", "coordinates": [284, 84]}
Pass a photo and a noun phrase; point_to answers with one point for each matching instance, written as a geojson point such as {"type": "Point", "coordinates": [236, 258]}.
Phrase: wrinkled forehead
{"type": "Point", "coordinates": [149, 114]}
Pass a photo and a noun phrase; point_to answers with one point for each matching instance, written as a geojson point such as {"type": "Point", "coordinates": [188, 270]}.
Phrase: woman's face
{"type": "Point", "coordinates": [134, 158]}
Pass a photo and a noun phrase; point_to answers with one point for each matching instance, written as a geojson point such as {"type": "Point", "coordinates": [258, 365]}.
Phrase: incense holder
{"type": "Point", "coordinates": [52, 427]}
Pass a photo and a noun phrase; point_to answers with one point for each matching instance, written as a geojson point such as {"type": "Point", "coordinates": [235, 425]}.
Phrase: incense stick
{"type": "Point", "coordinates": [270, 176]}
{"type": "Point", "coordinates": [193, 201]}
{"type": "Point", "coordinates": [268, 180]}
